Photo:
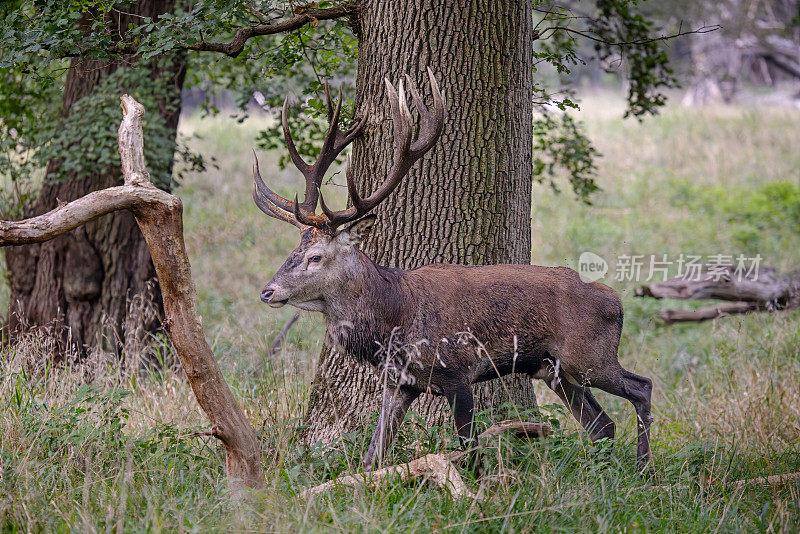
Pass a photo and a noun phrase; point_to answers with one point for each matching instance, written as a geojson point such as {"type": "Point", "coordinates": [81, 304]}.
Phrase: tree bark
{"type": "Point", "coordinates": [96, 285]}
{"type": "Point", "coordinates": [466, 202]}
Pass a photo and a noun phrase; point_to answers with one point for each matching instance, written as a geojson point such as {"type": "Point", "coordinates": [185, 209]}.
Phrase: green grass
{"type": "Point", "coordinates": [97, 447]}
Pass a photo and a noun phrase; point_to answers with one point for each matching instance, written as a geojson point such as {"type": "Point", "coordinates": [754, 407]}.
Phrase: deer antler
{"type": "Point", "coordinates": [301, 214]}
{"type": "Point", "coordinates": [406, 153]}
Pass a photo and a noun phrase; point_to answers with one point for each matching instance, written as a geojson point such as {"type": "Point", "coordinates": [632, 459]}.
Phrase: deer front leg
{"type": "Point", "coordinates": [396, 402]}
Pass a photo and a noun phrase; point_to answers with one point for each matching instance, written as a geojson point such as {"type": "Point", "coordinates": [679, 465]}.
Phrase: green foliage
{"type": "Point", "coordinates": [37, 36]}
{"type": "Point", "coordinates": [29, 109]}
{"type": "Point", "coordinates": [620, 35]}
{"type": "Point", "coordinates": [36, 42]}
{"type": "Point", "coordinates": [648, 70]}
{"type": "Point", "coordinates": [561, 145]}
{"type": "Point", "coordinates": [770, 208]}
{"type": "Point", "coordinates": [84, 141]}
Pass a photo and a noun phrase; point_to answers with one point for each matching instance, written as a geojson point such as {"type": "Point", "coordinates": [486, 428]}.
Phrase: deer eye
{"type": "Point", "coordinates": [315, 259]}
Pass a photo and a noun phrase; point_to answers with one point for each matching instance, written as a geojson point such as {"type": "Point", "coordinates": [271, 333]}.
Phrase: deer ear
{"type": "Point", "coordinates": [358, 231]}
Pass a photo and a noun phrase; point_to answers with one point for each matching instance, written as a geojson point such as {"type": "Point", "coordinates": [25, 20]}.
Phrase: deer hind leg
{"type": "Point", "coordinates": [584, 407]}
{"type": "Point", "coordinates": [396, 402]}
{"type": "Point", "coordinates": [459, 397]}
{"type": "Point", "coordinates": [637, 390]}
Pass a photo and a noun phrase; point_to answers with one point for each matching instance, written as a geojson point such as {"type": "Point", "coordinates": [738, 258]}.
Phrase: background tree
{"type": "Point", "coordinates": [467, 203]}
{"type": "Point", "coordinates": [759, 43]}
{"type": "Point", "coordinates": [95, 285]}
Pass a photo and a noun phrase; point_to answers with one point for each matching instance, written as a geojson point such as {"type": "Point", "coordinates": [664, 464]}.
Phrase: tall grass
{"type": "Point", "coordinates": [98, 446]}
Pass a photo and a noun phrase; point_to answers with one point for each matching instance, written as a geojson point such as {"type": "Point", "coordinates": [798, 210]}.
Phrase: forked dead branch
{"type": "Point", "coordinates": [160, 217]}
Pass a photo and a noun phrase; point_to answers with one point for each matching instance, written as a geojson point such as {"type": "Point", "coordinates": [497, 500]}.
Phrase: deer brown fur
{"type": "Point", "coordinates": [441, 328]}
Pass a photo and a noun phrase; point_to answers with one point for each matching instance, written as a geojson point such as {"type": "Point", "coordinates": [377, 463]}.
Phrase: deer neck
{"type": "Point", "coordinates": [369, 306]}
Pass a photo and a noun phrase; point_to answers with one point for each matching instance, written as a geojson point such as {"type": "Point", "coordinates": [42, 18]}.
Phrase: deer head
{"type": "Point", "coordinates": [327, 256]}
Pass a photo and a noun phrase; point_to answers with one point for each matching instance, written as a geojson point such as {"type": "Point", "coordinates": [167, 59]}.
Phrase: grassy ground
{"type": "Point", "coordinates": [96, 448]}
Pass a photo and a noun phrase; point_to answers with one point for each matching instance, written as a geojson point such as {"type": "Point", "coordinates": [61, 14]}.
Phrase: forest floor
{"type": "Point", "coordinates": [97, 447]}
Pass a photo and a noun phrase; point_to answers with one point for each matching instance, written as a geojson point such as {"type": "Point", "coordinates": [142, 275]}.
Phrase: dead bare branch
{"type": "Point", "coordinates": [160, 217]}
{"type": "Point", "coordinates": [763, 290]}
{"type": "Point", "coordinates": [436, 467]}
{"type": "Point", "coordinates": [706, 313]}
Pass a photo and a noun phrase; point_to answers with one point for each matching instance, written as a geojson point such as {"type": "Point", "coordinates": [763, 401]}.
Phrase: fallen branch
{"type": "Point", "coordinates": [282, 335]}
{"type": "Point", "coordinates": [763, 290]}
{"type": "Point", "coordinates": [771, 480]}
{"type": "Point", "coordinates": [160, 217]}
{"type": "Point", "coordinates": [706, 313]}
{"type": "Point", "coordinates": [436, 467]}
{"type": "Point", "coordinates": [439, 468]}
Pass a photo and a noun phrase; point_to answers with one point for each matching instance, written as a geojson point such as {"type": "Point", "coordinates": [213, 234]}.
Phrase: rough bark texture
{"type": "Point", "coordinates": [763, 290]}
{"type": "Point", "coordinates": [469, 200]}
{"type": "Point", "coordinates": [95, 285]}
{"type": "Point", "coordinates": [160, 217]}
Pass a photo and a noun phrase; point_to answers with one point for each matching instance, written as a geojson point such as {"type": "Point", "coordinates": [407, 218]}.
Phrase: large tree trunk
{"type": "Point", "coordinates": [96, 285]}
{"type": "Point", "coordinates": [469, 200]}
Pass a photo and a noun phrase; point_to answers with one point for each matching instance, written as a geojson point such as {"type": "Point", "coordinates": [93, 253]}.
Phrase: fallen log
{"type": "Point", "coordinates": [764, 289]}
{"type": "Point", "coordinates": [439, 468]}
{"type": "Point", "coordinates": [160, 217]}
{"type": "Point", "coordinates": [435, 467]}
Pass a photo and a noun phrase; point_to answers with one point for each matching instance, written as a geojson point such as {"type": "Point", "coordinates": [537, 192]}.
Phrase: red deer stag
{"type": "Point", "coordinates": [459, 325]}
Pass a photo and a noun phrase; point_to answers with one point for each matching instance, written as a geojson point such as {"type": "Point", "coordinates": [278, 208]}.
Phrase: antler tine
{"type": "Point", "coordinates": [394, 104]}
{"type": "Point", "coordinates": [403, 160]}
{"type": "Point", "coordinates": [406, 152]}
{"type": "Point", "coordinates": [328, 100]}
{"type": "Point", "coordinates": [309, 171]}
{"type": "Point", "coordinates": [265, 191]}
{"type": "Point", "coordinates": [330, 145]}
{"type": "Point", "coordinates": [302, 166]}
{"type": "Point", "coordinates": [356, 210]}
{"type": "Point", "coordinates": [265, 199]}
{"type": "Point", "coordinates": [352, 190]}
{"type": "Point", "coordinates": [348, 136]}
{"type": "Point", "coordinates": [432, 123]}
